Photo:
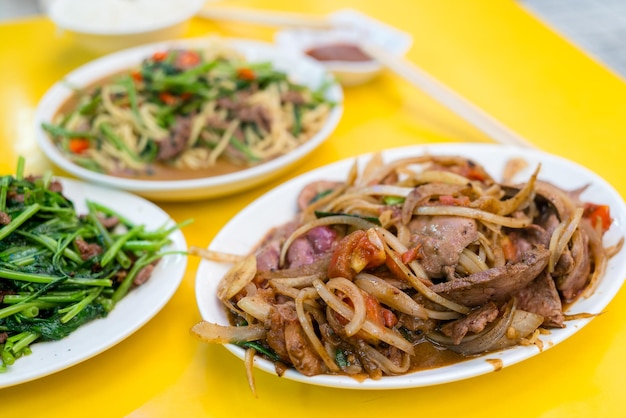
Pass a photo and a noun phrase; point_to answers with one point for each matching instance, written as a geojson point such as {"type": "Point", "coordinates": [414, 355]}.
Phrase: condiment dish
{"type": "Point", "coordinates": [349, 28]}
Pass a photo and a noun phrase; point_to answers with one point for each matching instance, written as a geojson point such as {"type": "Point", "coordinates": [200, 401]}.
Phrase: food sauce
{"type": "Point", "coordinates": [338, 52]}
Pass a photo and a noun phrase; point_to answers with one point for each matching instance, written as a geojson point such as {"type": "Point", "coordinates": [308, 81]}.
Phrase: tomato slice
{"type": "Point", "coordinates": [159, 55]}
{"type": "Point", "coordinates": [78, 145]}
{"type": "Point", "coordinates": [187, 59]}
{"type": "Point", "coordinates": [167, 98]}
{"type": "Point", "coordinates": [136, 75]}
{"type": "Point", "coordinates": [599, 215]}
{"type": "Point", "coordinates": [245, 73]}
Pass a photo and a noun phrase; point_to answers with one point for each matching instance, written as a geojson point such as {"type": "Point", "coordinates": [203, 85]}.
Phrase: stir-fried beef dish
{"type": "Point", "coordinates": [427, 256]}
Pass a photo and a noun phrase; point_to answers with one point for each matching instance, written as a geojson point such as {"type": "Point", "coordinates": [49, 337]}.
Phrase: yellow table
{"type": "Point", "coordinates": [491, 52]}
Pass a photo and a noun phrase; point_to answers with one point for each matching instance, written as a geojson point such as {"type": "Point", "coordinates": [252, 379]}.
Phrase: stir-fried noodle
{"type": "Point", "coordinates": [188, 109]}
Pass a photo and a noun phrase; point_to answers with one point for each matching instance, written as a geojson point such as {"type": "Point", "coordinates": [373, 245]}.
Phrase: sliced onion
{"type": "Point", "coordinates": [508, 206]}
{"type": "Point", "coordinates": [440, 176]}
{"type": "Point", "coordinates": [561, 237]}
{"type": "Point", "coordinates": [249, 364]}
{"type": "Point", "coordinates": [558, 197]}
{"type": "Point", "coordinates": [376, 175]}
{"type": "Point", "coordinates": [512, 168]}
{"type": "Point", "coordinates": [481, 342]}
{"type": "Point", "coordinates": [224, 334]}
{"type": "Point", "coordinates": [390, 295]}
{"type": "Point", "coordinates": [389, 336]}
{"type": "Point", "coordinates": [372, 166]}
{"type": "Point", "coordinates": [361, 207]}
{"type": "Point", "coordinates": [471, 263]}
{"type": "Point", "coordinates": [309, 211]}
{"type": "Point", "coordinates": [352, 292]}
{"type": "Point", "coordinates": [509, 330]}
{"type": "Point", "coordinates": [353, 174]}
{"type": "Point", "coordinates": [600, 255]}
{"type": "Point", "coordinates": [523, 324]}
{"type": "Point", "coordinates": [255, 306]}
{"type": "Point", "coordinates": [307, 326]}
{"type": "Point", "coordinates": [615, 248]}
{"type": "Point", "coordinates": [387, 366]}
{"type": "Point", "coordinates": [214, 255]}
{"type": "Point", "coordinates": [475, 214]}
{"type": "Point", "coordinates": [298, 282]}
{"type": "Point", "coordinates": [387, 190]}
{"type": "Point", "coordinates": [237, 277]}
{"type": "Point", "coordinates": [280, 289]}
{"type": "Point", "coordinates": [554, 239]}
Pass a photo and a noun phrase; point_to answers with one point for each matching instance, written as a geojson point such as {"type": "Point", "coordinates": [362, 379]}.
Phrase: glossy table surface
{"type": "Point", "coordinates": [491, 52]}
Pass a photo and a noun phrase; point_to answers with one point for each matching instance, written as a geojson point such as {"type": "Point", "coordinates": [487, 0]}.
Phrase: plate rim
{"type": "Point", "coordinates": [175, 269]}
{"type": "Point", "coordinates": [472, 367]}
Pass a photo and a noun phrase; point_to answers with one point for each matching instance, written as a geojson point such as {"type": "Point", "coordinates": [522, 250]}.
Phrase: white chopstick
{"type": "Point", "coordinates": [415, 75]}
{"type": "Point", "coordinates": [422, 80]}
{"type": "Point", "coordinates": [267, 18]}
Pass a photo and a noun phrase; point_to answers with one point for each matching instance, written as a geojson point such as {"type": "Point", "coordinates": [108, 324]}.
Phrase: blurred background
{"type": "Point", "coordinates": [10, 9]}
{"type": "Point", "coordinates": [596, 26]}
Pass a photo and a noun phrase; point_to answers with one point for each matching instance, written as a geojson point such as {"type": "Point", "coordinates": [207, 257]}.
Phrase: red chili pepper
{"type": "Point", "coordinates": [187, 59]}
{"type": "Point", "coordinates": [373, 310]}
{"type": "Point", "coordinates": [159, 55]}
{"type": "Point", "coordinates": [167, 98]}
{"type": "Point", "coordinates": [245, 73]}
{"type": "Point", "coordinates": [78, 145]}
{"type": "Point", "coordinates": [136, 75]}
{"type": "Point", "coordinates": [598, 214]}
{"type": "Point", "coordinates": [475, 174]}
{"type": "Point", "coordinates": [411, 254]}
{"type": "Point", "coordinates": [508, 248]}
{"type": "Point", "coordinates": [389, 318]}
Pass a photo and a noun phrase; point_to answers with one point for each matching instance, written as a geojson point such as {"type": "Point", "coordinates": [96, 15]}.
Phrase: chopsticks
{"type": "Point", "coordinates": [413, 74]}
{"type": "Point", "coordinates": [463, 108]}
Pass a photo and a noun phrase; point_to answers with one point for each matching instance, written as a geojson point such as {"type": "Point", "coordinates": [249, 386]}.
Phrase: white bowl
{"type": "Point", "coordinates": [109, 25]}
{"type": "Point", "coordinates": [349, 27]}
{"type": "Point", "coordinates": [301, 70]}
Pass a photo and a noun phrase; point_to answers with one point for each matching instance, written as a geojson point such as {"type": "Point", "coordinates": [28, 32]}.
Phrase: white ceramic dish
{"type": "Point", "coordinates": [246, 229]}
{"type": "Point", "coordinates": [301, 70]}
{"type": "Point", "coordinates": [349, 27]}
{"type": "Point", "coordinates": [130, 314]}
{"type": "Point", "coordinates": [105, 26]}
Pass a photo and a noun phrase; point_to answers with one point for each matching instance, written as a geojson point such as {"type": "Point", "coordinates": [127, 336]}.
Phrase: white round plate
{"type": "Point", "coordinates": [301, 70]}
{"type": "Point", "coordinates": [130, 314]}
{"type": "Point", "coordinates": [278, 206]}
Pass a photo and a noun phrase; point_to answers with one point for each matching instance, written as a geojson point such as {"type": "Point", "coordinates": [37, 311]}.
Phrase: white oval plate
{"type": "Point", "coordinates": [276, 207]}
{"type": "Point", "coordinates": [130, 314]}
{"type": "Point", "coordinates": [301, 70]}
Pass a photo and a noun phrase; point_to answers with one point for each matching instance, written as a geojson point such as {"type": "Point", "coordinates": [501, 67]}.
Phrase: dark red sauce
{"type": "Point", "coordinates": [338, 52]}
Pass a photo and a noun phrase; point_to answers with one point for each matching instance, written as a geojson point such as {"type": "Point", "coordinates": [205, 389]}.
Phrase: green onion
{"type": "Point", "coordinates": [372, 219]}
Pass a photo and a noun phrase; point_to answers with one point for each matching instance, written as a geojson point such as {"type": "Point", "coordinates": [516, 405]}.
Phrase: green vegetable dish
{"type": "Point", "coordinates": [60, 270]}
{"type": "Point", "coordinates": [196, 112]}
